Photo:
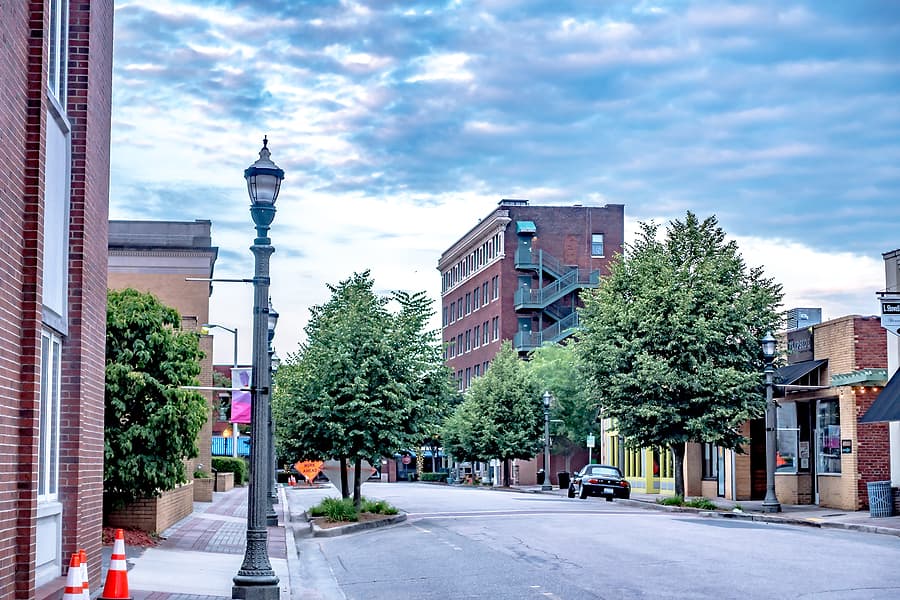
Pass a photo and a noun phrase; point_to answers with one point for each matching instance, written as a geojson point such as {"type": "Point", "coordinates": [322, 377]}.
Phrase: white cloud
{"type": "Point", "coordinates": [442, 67]}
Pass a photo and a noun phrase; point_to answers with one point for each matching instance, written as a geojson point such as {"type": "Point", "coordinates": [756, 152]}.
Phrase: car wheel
{"type": "Point", "coordinates": [571, 492]}
{"type": "Point", "coordinates": [583, 493]}
{"type": "Point", "coordinates": [609, 498]}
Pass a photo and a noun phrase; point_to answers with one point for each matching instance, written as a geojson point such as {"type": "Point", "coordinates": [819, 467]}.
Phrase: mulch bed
{"type": "Point", "coordinates": [324, 523]}
{"type": "Point", "coordinates": [133, 537]}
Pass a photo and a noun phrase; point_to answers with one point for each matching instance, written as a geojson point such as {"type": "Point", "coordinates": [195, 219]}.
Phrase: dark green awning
{"type": "Point", "coordinates": [525, 227]}
{"type": "Point", "coordinates": [887, 405]}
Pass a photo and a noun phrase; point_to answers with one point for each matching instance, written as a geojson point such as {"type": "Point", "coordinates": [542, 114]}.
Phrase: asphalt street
{"type": "Point", "coordinates": [461, 542]}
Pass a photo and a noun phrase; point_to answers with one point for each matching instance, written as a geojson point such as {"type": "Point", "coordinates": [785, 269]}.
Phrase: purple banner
{"type": "Point", "coordinates": [240, 401]}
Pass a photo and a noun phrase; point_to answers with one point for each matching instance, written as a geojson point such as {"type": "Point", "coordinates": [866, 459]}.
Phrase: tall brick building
{"type": "Point", "coordinates": [516, 276]}
{"type": "Point", "coordinates": [55, 94]}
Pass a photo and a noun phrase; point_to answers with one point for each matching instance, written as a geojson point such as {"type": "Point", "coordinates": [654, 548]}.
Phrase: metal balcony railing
{"type": "Point", "coordinates": [569, 282]}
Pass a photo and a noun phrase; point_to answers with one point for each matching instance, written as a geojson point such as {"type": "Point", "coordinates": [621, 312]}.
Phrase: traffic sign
{"type": "Point", "coordinates": [590, 441]}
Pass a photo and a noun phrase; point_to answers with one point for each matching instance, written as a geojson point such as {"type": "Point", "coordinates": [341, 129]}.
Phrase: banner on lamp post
{"type": "Point", "coordinates": [240, 400]}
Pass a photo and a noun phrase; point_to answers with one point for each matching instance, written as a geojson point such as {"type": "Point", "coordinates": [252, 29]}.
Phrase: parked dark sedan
{"type": "Point", "coordinates": [599, 480]}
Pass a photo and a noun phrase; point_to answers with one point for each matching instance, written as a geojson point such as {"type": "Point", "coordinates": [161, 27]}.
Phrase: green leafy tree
{"type": "Point", "coordinates": [501, 415]}
{"type": "Point", "coordinates": [670, 339]}
{"type": "Point", "coordinates": [151, 424]}
{"type": "Point", "coordinates": [366, 383]}
{"type": "Point", "coordinates": [574, 411]}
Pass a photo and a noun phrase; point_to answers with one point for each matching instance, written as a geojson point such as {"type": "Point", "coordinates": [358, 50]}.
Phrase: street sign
{"type": "Point", "coordinates": [590, 441]}
{"type": "Point", "coordinates": [890, 315]}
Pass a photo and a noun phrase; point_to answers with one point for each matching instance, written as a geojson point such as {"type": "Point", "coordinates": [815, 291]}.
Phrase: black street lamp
{"type": "Point", "coordinates": [547, 486]}
{"type": "Point", "coordinates": [770, 503]}
{"type": "Point", "coordinates": [256, 580]}
{"type": "Point", "coordinates": [271, 517]}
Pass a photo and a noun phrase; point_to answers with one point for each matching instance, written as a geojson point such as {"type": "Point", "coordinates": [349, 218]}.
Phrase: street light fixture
{"type": "Point", "coordinates": [547, 486]}
{"type": "Point", "coordinates": [234, 364]}
{"type": "Point", "coordinates": [271, 516]}
{"type": "Point", "coordinates": [770, 503]}
{"type": "Point", "coordinates": [256, 580]}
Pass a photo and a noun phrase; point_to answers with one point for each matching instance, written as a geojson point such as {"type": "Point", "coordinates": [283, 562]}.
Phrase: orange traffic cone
{"type": "Point", "coordinates": [85, 586]}
{"type": "Point", "coordinates": [73, 589]}
{"type": "Point", "coordinates": [117, 576]}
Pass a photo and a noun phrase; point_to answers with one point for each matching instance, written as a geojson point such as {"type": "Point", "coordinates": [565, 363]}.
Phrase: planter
{"type": "Point", "coordinates": [203, 489]}
{"type": "Point", "coordinates": [224, 481]}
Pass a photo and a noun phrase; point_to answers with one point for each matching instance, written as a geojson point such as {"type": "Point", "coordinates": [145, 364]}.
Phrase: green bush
{"type": "Point", "coordinates": [434, 477]}
{"type": "Point", "coordinates": [701, 503]}
{"type": "Point", "coordinates": [225, 464]}
{"type": "Point", "coordinates": [201, 474]}
{"type": "Point", "coordinates": [671, 501]}
{"type": "Point", "coordinates": [335, 509]}
{"type": "Point", "coordinates": [378, 507]}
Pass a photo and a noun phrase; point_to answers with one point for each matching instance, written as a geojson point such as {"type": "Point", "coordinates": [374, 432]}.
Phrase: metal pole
{"type": "Point", "coordinates": [235, 431]}
{"type": "Point", "coordinates": [256, 579]}
{"type": "Point", "coordinates": [770, 504]}
{"type": "Point", "coordinates": [547, 486]}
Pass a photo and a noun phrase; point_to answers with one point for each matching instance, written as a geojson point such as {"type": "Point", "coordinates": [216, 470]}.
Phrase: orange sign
{"type": "Point", "coordinates": [309, 468]}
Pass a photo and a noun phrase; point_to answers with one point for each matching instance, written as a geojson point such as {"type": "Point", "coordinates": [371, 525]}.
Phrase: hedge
{"type": "Point", "coordinates": [231, 465]}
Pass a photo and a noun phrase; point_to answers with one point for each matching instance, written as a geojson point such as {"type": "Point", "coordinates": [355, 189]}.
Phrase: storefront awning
{"type": "Point", "coordinates": [526, 227]}
{"type": "Point", "coordinates": [790, 374]}
{"type": "Point", "coordinates": [887, 405]}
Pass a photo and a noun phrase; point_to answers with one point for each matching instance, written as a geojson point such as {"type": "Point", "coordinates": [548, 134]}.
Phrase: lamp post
{"type": "Point", "coordinates": [770, 503]}
{"type": "Point", "coordinates": [235, 433]}
{"type": "Point", "coordinates": [256, 580]}
{"type": "Point", "coordinates": [271, 517]}
{"type": "Point", "coordinates": [547, 486]}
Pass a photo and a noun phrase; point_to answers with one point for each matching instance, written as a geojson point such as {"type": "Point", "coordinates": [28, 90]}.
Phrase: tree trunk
{"type": "Point", "coordinates": [357, 483]}
{"type": "Point", "coordinates": [345, 486]}
{"type": "Point", "coordinates": [506, 473]}
{"type": "Point", "coordinates": [678, 451]}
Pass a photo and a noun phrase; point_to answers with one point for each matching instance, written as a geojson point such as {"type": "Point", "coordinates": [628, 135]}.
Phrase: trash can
{"type": "Point", "coordinates": [541, 476]}
{"type": "Point", "coordinates": [563, 478]}
{"type": "Point", "coordinates": [880, 501]}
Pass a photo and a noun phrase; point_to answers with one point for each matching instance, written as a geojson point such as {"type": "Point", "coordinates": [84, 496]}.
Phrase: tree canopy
{"type": "Point", "coordinates": [366, 383]}
{"type": "Point", "coordinates": [151, 424]}
{"type": "Point", "coordinates": [670, 340]}
{"type": "Point", "coordinates": [501, 415]}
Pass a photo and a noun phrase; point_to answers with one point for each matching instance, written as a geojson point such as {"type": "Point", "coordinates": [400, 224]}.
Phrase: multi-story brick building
{"type": "Point", "coordinates": [516, 276]}
{"type": "Point", "coordinates": [55, 94]}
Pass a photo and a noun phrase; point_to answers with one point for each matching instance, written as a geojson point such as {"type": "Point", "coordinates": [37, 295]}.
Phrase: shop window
{"type": "Point", "coordinates": [787, 439]}
{"type": "Point", "coordinates": [828, 437]}
{"type": "Point", "coordinates": [710, 461]}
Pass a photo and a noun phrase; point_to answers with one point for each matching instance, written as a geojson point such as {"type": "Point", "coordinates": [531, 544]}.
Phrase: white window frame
{"type": "Point", "coordinates": [58, 50]}
{"type": "Point", "coordinates": [49, 423]}
{"type": "Point", "coordinates": [602, 243]}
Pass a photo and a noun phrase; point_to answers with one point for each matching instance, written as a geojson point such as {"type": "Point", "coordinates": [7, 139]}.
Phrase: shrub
{"type": "Point", "coordinates": [671, 501]}
{"type": "Point", "coordinates": [378, 507]}
{"type": "Point", "coordinates": [701, 503]}
{"type": "Point", "coordinates": [201, 474]}
{"type": "Point", "coordinates": [335, 509]}
{"type": "Point", "coordinates": [434, 477]}
{"type": "Point", "coordinates": [231, 465]}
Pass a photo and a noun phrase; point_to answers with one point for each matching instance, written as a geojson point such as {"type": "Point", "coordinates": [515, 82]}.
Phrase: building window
{"type": "Point", "coordinates": [484, 293]}
{"type": "Point", "coordinates": [495, 284]}
{"type": "Point", "coordinates": [710, 461]}
{"type": "Point", "coordinates": [485, 334]}
{"type": "Point", "coordinates": [496, 328]}
{"type": "Point", "coordinates": [48, 453]}
{"type": "Point", "coordinates": [459, 308]}
{"type": "Point", "coordinates": [477, 371]}
{"type": "Point", "coordinates": [58, 58]}
{"type": "Point", "coordinates": [828, 437]}
{"type": "Point", "coordinates": [476, 339]}
{"type": "Point", "coordinates": [459, 380]}
{"type": "Point", "coordinates": [475, 298]}
{"type": "Point", "coordinates": [445, 317]}
{"type": "Point", "coordinates": [468, 339]}
{"type": "Point", "coordinates": [452, 312]}
{"type": "Point", "coordinates": [468, 303]}
{"type": "Point", "coordinates": [788, 436]}
{"type": "Point", "coordinates": [597, 244]}
{"type": "Point", "coordinates": [459, 344]}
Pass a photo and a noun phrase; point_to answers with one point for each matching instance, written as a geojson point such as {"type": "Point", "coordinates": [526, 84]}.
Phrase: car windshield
{"type": "Point", "coordinates": [601, 470]}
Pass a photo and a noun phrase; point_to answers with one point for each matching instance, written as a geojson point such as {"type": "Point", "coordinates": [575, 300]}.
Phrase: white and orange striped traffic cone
{"type": "Point", "coordinates": [85, 586]}
{"type": "Point", "coordinates": [73, 589]}
{"type": "Point", "coordinates": [116, 587]}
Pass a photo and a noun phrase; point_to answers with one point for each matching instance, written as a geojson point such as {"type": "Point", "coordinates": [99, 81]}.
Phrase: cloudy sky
{"type": "Point", "coordinates": [400, 124]}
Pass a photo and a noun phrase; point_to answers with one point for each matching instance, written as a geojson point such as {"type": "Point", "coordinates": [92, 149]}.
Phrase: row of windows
{"type": "Point", "coordinates": [472, 301]}
{"type": "Point", "coordinates": [478, 258]}
{"type": "Point", "coordinates": [464, 377]}
{"type": "Point", "coordinates": [472, 338]}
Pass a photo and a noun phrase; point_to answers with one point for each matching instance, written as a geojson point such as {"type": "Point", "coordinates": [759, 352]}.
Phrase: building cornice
{"type": "Point", "coordinates": [495, 223]}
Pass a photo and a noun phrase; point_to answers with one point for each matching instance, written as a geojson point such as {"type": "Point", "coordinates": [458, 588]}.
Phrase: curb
{"type": "Point", "coordinates": [317, 531]}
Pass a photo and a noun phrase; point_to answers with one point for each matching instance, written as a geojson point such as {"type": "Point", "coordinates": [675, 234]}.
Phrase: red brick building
{"type": "Point", "coordinates": [55, 94]}
{"type": "Point", "coordinates": [516, 276]}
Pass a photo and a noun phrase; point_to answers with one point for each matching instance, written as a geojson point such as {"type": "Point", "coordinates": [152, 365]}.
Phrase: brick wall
{"type": "Point", "coordinates": [834, 340]}
{"type": "Point", "coordinates": [155, 514]}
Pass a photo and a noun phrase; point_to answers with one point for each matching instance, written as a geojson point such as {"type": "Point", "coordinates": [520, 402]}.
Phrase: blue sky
{"type": "Point", "coordinates": [400, 124]}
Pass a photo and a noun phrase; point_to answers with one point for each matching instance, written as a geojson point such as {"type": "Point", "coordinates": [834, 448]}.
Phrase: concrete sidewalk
{"type": "Point", "coordinates": [809, 515]}
{"type": "Point", "coordinates": [198, 556]}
